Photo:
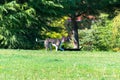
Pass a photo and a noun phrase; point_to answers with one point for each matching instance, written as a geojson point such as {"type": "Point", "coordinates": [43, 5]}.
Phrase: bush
{"type": "Point", "coordinates": [116, 33]}
{"type": "Point", "coordinates": [97, 38]}
{"type": "Point", "coordinates": [86, 39]}
{"type": "Point", "coordinates": [103, 38]}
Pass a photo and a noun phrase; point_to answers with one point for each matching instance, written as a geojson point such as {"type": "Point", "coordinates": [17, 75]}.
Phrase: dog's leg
{"type": "Point", "coordinates": [56, 47]}
{"type": "Point", "coordinates": [60, 47]}
{"type": "Point", "coordinates": [46, 44]}
{"type": "Point", "coordinates": [50, 46]}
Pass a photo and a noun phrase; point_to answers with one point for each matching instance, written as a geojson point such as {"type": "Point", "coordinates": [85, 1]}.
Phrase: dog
{"type": "Point", "coordinates": [57, 43]}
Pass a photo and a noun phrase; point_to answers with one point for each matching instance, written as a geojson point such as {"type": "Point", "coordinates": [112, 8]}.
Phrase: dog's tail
{"type": "Point", "coordinates": [39, 40]}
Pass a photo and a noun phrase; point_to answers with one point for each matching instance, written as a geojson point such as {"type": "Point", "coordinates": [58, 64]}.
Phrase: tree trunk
{"type": "Point", "coordinates": [75, 33]}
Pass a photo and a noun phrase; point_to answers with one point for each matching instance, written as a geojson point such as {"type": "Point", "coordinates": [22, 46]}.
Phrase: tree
{"type": "Point", "coordinates": [16, 23]}
{"type": "Point", "coordinates": [21, 21]}
{"type": "Point", "coordinates": [75, 8]}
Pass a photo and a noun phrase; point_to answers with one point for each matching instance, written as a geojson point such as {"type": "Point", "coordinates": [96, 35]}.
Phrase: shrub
{"type": "Point", "coordinates": [103, 38]}
{"type": "Point", "coordinates": [116, 33]}
{"type": "Point", "coordinates": [86, 39]}
{"type": "Point", "coordinates": [97, 38]}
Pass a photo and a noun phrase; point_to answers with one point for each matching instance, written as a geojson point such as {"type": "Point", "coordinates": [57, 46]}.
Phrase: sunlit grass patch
{"type": "Point", "coordinates": [64, 65]}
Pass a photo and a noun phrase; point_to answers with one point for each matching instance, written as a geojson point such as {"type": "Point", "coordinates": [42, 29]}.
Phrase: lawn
{"type": "Point", "coordinates": [61, 65]}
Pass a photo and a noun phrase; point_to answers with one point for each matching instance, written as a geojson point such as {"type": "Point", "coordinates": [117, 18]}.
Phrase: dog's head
{"type": "Point", "coordinates": [66, 39]}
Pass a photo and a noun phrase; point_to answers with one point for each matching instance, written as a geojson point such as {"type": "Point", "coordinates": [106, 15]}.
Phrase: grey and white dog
{"type": "Point", "coordinates": [57, 43]}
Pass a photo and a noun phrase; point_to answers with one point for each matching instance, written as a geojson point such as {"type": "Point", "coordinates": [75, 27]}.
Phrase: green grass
{"type": "Point", "coordinates": [52, 65]}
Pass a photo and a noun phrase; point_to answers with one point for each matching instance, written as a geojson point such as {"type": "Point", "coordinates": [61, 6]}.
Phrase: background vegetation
{"type": "Point", "coordinates": [101, 36]}
{"type": "Point", "coordinates": [22, 21]}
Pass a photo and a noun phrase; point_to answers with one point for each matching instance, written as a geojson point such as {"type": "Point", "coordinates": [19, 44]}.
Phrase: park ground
{"type": "Point", "coordinates": [61, 65]}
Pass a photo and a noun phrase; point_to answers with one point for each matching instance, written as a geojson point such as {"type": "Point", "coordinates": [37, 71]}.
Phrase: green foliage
{"type": "Point", "coordinates": [103, 37]}
{"type": "Point", "coordinates": [87, 40]}
{"type": "Point", "coordinates": [21, 21]}
{"type": "Point", "coordinates": [56, 29]}
{"type": "Point", "coordinates": [16, 25]}
{"type": "Point", "coordinates": [116, 33]}
{"type": "Point", "coordinates": [99, 37]}
{"type": "Point", "coordinates": [75, 8]}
